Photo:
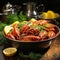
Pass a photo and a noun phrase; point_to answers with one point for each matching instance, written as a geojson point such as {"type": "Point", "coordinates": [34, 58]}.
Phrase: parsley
{"type": "Point", "coordinates": [31, 55]}
{"type": "Point", "coordinates": [2, 25]}
{"type": "Point", "coordinates": [22, 17]}
{"type": "Point", "coordinates": [39, 27]}
{"type": "Point", "coordinates": [11, 18]}
{"type": "Point", "coordinates": [2, 38]}
{"type": "Point", "coordinates": [21, 24]}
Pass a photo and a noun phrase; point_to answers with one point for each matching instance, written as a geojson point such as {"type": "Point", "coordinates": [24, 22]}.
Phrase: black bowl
{"type": "Point", "coordinates": [33, 45]}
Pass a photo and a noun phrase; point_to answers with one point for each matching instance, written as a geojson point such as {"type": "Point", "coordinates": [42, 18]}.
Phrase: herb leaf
{"type": "Point", "coordinates": [21, 24]}
{"type": "Point", "coordinates": [11, 18]}
{"type": "Point", "coordinates": [22, 16]}
{"type": "Point", "coordinates": [39, 27]}
{"type": "Point", "coordinates": [2, 25]}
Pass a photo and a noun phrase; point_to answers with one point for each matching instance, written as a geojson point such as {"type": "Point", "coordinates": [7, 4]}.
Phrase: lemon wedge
{"type": "Point", "coordinates": [16, 22]}
{"type": "Point", "coordinates": [10, 51]}
{"type": "Point", "coordinates": [7, 29]}
{"type": "Point", "coordinates": [51, 14]}
{"type": "Point", "coordinates": [33, 20]}
{"type": "Point", "coordinates": [45, 15]}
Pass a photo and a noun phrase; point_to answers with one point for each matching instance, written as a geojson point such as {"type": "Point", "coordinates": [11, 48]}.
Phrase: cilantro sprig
{"type": "Point", "coordinates": [39, 27]}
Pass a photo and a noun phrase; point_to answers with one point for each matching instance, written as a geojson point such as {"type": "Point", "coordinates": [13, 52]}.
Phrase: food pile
{"type": "Point", "coordinates": [32, 30]}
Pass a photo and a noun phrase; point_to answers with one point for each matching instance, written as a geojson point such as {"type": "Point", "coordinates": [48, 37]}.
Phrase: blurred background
{"type": "Point", "coordinates": [49, 4]}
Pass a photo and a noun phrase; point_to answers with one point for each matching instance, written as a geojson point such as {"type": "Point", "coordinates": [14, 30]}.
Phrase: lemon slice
{"type": "Point", "coordinates": [10, 51]}
{"type": "Point", "coordinates": [51, 14]}
{"type": "Point", "coordinates": [33, 20]}
{"type": "Point", "coordinates": [16, 22]}
{"type": "Point", "coordinates": [7, 29]}
{"type": "Point", "coordinates": [45, 15]}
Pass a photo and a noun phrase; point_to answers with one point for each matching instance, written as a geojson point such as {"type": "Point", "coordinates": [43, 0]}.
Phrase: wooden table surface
{"type": "Point", "coordinates": [54, 52]}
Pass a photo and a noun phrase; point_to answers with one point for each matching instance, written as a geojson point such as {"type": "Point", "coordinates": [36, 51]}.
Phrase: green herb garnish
{"type": "Point", "coordinates": [31, 55]}
{"type": "Point", "coordinates": [11, 18]}
{"type": "Point", "coordinates": [39, 27]}
{"type": "Point", "coordinates": [2, 39]}
{"type": "Point", "coordinates": [22, 16]}
{"type": "Point", "coordinates": [2, 25]}
{"type": "Point", "coordinates": [21, 24]}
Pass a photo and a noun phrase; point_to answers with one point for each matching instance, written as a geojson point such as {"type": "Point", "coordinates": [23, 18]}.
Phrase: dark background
{"type": "Point", "coordinates": [49, 4]}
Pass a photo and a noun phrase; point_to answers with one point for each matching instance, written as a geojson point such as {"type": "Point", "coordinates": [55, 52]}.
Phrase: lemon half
{"type": "Point", "coordinates": [33, 20]}
{"type": "Point", "coordinates": [10, 51]}
{"type": "Point", "coordinates": [45, 15]}
{"type": "Point", "coordinates": [51, 14]}
{"type": "Point", "coordinates": [16, 22]}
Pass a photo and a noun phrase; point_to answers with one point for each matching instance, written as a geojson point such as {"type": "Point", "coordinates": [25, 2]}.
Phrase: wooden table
{"type": "Point", "coordinates": [54, 52]}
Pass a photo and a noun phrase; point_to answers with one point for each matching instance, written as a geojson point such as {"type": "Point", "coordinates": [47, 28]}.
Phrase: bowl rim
{"type": "Point", "coordinates": [35, 41]}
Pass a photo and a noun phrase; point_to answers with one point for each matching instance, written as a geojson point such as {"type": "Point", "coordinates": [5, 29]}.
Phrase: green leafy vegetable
{"type": "Point", "coordinates": [2, 25]}
{"type": "Point", "coordinates": [34, 56]}
{"type": "Point", "coordinates": [22, 16]}
{"type": "Point", "coordinates": [2, 39]}
{"type": "Point", "coordinates": [12, 18]}
{"type": "Point", "coordinates": [31, 55]}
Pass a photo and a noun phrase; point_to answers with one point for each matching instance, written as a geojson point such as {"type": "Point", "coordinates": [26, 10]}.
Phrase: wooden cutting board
{"type": "Point", "coordinates": [54, 52]}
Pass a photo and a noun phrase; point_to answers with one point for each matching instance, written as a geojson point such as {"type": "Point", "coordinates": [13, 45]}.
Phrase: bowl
{"type": "Point", "coordinates": [31, 45]}
{"type": "Point", "coordinates": [28, 46]}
